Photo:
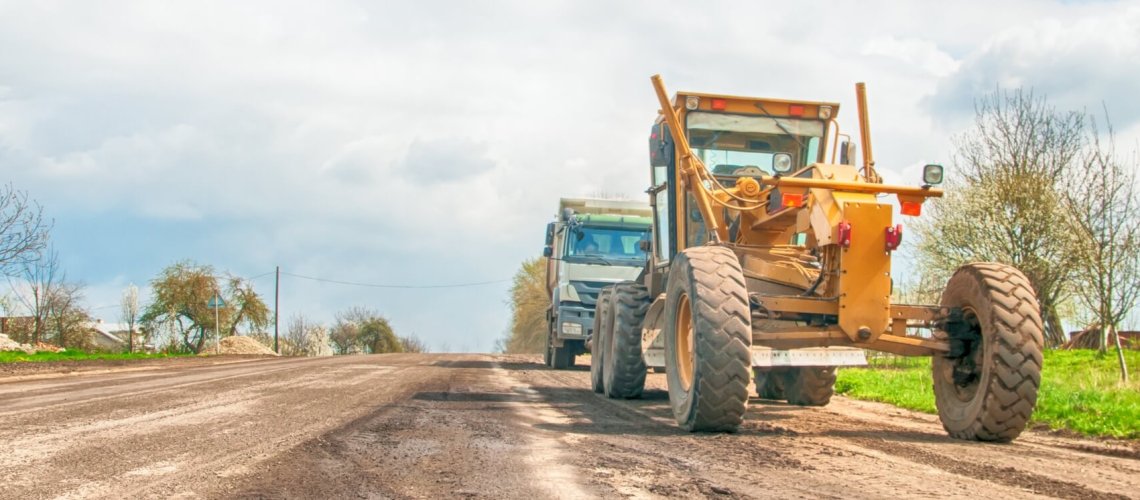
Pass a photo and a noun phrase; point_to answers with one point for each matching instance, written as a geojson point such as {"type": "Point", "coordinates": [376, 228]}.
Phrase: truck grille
{"type": "Point", "coordinates": [588, 291]}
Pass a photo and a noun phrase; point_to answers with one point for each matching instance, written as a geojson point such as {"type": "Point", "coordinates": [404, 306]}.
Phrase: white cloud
{"type": "Point", "coordinates": [922, 54]}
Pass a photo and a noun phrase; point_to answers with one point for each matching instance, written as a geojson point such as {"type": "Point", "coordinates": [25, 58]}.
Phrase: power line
{"type": "Point", "coordinates": [374, 285]}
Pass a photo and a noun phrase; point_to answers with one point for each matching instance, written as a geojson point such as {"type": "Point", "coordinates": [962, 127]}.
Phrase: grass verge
{"type": "Point", "coordinates": [21, 357]}
{"type": "Point", "coordinates": [1080, 390]}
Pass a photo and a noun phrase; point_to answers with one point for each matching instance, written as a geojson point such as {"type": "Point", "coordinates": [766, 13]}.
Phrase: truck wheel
{"type": "Point", "coordinates": [770, 384]}
{"type": "Point", "coordinates": [597, 344]}
{"type": "Point", "coordinates": [562, 358]}
{"type": "Point", "coordinates": [988, 389]}
{"type": "Point", "coordinates": [546, 353]}
{"type": "Point", "coordinates": [810, 386]}
{"type": "Point", "coordinates": [707, 337]}
{"type": "Point", "coordinates": [624, 374]}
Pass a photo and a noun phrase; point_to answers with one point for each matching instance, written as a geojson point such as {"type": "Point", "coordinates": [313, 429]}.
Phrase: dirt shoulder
{"type": "Point", "coordinates": [11, 372]}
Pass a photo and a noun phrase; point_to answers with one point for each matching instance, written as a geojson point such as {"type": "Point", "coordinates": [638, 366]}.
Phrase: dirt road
{"type": "Point", "coordinates": [479, 426]}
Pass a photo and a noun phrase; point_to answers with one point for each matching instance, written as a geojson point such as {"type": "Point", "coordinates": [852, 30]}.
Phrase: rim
{"type": "Point", "coordinates": [964, 374]}
{"type": "Point", "coordinates": [685, 342]}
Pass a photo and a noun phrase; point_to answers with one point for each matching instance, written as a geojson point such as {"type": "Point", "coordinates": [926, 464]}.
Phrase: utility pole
{"type": "Point", "coordinates": [276, 301]}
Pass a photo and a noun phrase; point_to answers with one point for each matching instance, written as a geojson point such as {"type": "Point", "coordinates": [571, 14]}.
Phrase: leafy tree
{"type": "Point", "coordinates": [1105, 217]}
{"type": "Point", "coordinates": [528, 303]}
{"type": "Point", "coordinates": [23, 231]}
{"type": "Point", "coordinates": [1006, 205]}
{"type": "Point", "coordinates": [182, 293]}
{"type": "Point", "coordinates": [360, 329]}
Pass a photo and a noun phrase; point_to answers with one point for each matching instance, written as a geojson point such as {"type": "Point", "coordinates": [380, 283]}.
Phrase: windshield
{"type": "Point", "coordinates": [606, 243]}
{"type": "Point", "coordinates": [734, 145]}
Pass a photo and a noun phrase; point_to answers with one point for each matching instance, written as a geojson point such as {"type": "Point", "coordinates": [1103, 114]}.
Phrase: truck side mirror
{"type": "Point", "coordinates": [550, 234]}
{"type": "Point", "coordinates": [547, 251]}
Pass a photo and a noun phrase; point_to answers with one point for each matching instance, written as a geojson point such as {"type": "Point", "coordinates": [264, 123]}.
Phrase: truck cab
{"type": "Point", "coordinates": [591, 244]}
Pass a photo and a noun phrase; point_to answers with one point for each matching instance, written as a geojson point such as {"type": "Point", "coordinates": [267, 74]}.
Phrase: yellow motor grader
{"type": "Point", "coordinates": [770, 260]}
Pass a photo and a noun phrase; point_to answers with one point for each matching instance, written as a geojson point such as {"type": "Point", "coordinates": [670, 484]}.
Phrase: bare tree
{"type": "Point", "coordinates": [40, 278]}
{"type": "Point", "coordinates": [23, 231]}
{"type": "Point", "coordinates": [412, 343]}
{"type": "Point", "coordinates": [53, 305]}
{"type": "Point", "coordinates": [129, 311]}
{"type": "Point", "coordinates": [68, 320]}
{"type": "Point", "coordinates": [1104, 204]}
{"type": "Point", "coordinates": [304, 337]}
{"type": "Point", "coordinates": [1006, 205]}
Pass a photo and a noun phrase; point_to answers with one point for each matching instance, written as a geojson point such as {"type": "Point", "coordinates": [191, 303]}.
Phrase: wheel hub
{"type": "Point", "coordinates": [685, 341]}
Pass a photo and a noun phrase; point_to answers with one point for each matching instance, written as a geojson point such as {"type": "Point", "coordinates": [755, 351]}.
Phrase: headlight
{"type": "Point", "coordinates": [571, 328]}
{"type": "Point", "coordinates": [782, 163]}
{"type": "Point", "coordinates": [692, 102]}
{"type": "Point", "coordinates": [932, 175]}
{"type": "Point", "coordinates": [825, 112]}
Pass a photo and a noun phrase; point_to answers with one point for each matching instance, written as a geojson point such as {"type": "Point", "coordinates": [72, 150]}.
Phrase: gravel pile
{"type": "Point", "coordinates": [238, 345]}
{"type": "Point", "coordinates": [7, 344]}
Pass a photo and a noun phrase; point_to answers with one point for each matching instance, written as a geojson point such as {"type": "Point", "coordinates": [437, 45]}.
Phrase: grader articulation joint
{"type": "Point", "coordinates": [772, 261]}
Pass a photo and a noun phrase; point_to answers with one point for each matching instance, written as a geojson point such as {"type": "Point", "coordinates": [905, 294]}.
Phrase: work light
{"type": "Point", "coordinates": [932, 175]}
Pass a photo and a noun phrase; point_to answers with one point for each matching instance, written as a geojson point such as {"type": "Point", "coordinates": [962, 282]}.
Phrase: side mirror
{"type": "Point", "coordinates": [547, 251]}
{"type": "Point", "coordinates": [781, 163]}
{"type": "Point", "coordinates": [847, 153]}
{"type": "Point", "coordinates": [644, 245]}
{"type": "Point", "coordinates": [550, 234]}
{"type": "Point", "coordinates": [932, 174]}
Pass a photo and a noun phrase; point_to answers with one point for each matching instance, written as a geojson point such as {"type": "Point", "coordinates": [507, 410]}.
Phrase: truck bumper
{"type": "Point", "coordinates": [574, 323]}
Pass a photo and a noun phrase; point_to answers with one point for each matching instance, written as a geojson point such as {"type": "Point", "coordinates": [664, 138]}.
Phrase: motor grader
{"type": "Point", "coordinates": [770, 260]}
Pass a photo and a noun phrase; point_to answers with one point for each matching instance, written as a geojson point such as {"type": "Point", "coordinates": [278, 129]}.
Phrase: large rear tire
{"type": "Point", "coordinates": [625, 369]}
{"type": "Point", "coordinates": [809, 386]}
{"type": "Point", "coordinates": [770, 384]}
{"type": "Point", "coordinates": [597, 343]}
{"type": "Point", "coordinates": [987, 391]}
{"type": "Point", "coordinates": [708, 334]}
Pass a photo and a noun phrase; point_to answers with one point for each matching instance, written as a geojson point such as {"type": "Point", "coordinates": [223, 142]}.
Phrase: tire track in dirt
{"type": "Point", "coordinates": [858, 448]}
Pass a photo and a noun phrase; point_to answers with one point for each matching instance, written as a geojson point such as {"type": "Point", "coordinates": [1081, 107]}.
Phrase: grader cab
{"type": "Point", "coordinates": [771, 260]}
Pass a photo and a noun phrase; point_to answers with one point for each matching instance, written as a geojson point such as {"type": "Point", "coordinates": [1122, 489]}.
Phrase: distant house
{"type": "Point", "coordinates": [112, 337]}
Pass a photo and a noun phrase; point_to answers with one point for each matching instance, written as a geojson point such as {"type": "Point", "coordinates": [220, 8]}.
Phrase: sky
{"type": "Point", "coordinates": [428, 142]}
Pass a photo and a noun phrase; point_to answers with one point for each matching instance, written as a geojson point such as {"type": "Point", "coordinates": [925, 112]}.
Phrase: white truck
{"type": "Point", "coordinates": [592, 244]}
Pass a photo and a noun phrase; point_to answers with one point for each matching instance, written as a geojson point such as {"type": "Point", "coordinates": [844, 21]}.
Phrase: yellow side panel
{"type": "Point", "coordinates": [865, 271]}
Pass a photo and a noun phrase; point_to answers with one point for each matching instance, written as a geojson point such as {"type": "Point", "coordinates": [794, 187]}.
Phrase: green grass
{"type": "Point", "coordinates": [20, 357]}
{"type": "Point", "coordinates": [1080, 390]}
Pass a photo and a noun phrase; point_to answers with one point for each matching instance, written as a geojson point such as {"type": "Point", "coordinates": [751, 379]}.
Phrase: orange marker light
{"type": "Point", "coordinates": [911, 208]}
{"type": "Point", "coordinates": [791, 199]}
{"type": "Point", "coordinates": [796, 109]}
{"type": "Point", "coordinates": [719, 104]}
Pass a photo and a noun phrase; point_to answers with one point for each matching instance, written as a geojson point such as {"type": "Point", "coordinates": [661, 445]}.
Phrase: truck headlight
{"type": "Point", "coordinates": [571, 328]}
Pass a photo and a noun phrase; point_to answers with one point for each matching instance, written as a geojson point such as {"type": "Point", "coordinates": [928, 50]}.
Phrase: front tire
{"type": "Point", "coordinates": [598, 343]}
{"type": "Point", "coordinates": [708, 334]}
{"type": "Point", "coordinates": [988, 390]}
{"type": "Point", "coordinates": [625, 369]}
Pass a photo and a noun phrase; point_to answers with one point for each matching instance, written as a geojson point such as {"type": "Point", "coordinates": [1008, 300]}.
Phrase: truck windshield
{"type": "Point", "coordinates": [730, 144]}
{"type": "Point", "coordinates": [608, 243]}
